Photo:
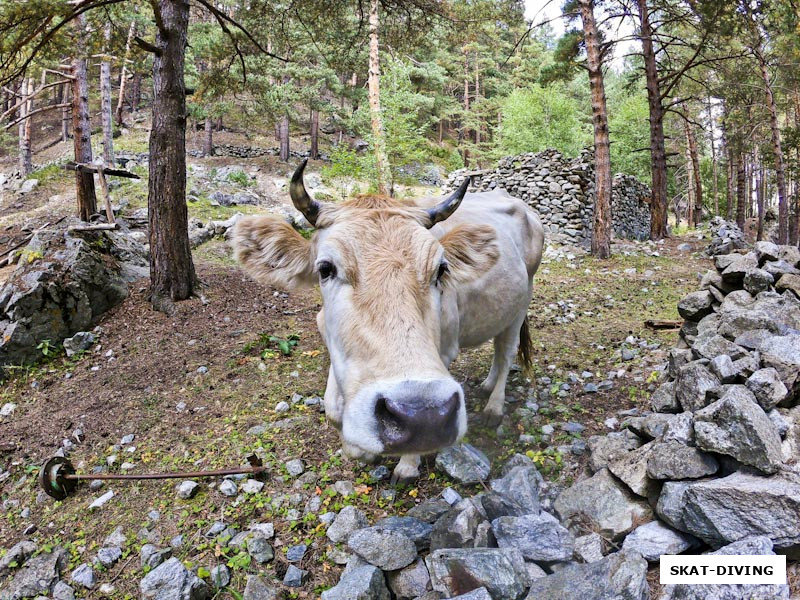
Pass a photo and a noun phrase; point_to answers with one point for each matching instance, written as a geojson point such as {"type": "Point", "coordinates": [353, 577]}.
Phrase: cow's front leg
{"type": "Point", "coordinates": [505, 347]}
{"type": "Point", "coordinates": [407, 470]}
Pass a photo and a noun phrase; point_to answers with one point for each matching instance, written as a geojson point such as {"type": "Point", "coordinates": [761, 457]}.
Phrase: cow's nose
{"type": "Point", "coordinates": [418, 418]}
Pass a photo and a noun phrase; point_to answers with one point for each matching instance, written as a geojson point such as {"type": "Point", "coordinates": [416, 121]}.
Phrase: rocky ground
{"type": "Point", "coordinates": [240, 370]}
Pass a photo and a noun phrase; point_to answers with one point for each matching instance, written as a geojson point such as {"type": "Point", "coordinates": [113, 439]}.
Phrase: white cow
{"type": "Point", "coordinates": [405, 287]}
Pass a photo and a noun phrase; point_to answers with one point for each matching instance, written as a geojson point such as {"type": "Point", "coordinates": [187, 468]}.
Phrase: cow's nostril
{"type": "Point", "coordinates": [392, 429]}
{"type": "Point", "coordinates": [451, 406]}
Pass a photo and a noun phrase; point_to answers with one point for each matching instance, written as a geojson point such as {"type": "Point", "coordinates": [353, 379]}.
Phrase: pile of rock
{"type": "Point", "coordinates": [725, 237]}
{"type": "Point", "coordinates": [561, 190]}
{"type": "Point", "coordinates": [63, 281]}
{"type": "Point", "coordinates": [200, 232]}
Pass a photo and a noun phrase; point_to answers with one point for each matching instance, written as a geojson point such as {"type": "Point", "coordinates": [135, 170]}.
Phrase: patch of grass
{"type": "Point", "coordinates": [240, 178]}
{"type": "Point", "coordinates": [49, 174]}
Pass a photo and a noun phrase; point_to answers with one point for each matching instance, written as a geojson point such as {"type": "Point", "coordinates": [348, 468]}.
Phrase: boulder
{"type": "Point", "coordinates": [767, 387]}
{"type": "Point", "coordinates": [521, 484]}
{"type": "Point", "coordinates": [606, 503]}
{"type": "Point", "coordinates": [736, 426]}
{"type": "Point", "coordinates": [664, 400]}
{"type": "Point", "coordinates": [653, 539]}
{"type": "Point", "coordinates": [362, 583]}
{"type": "Point", "coordinates": [259, 588]}
{"type": "Point", "coordinates": [464, 463]}
{"type": "Point", "coordinates": [385, 548]}
{"type": "Point", "coordinates": [692, 384]}
{"type": "Point", "coordinates": [410, 582]}
{"type": "Point", "coordinates": [457, 571]}
{"type": "Point", "coordinates": [538, 537]}
{"type": "Point", "coordinates": [720, 511]}
{"type": "Point", "coordinates": [457, 528]}
{"type": "Point", "coordinates": [347, 521]}
{"type": "Point", "coordinates": [605, 448]}
{"type": "Point", "coordinates": [589, 548]}
{"type": "Point", "coordinates": [739, 267]}
{"type": "Point", "coordinates": [710, 345]}
{"type": "Point", "coordinates": [416, 530]}
{"type": "Point", "coordinates": [680, 429]}
{"type": "Point", "coordinates": [37, 576]}
{"type": "Point", "coordinates": [757, 281]}
{"type": "Point", "coordinates": [621, 576]}
{"type": "Point", "coordinates": [696, 305]}
{"type": "Point", "coordinates": [789, 281]}
{"type": "Point", "coordinates": [172, 581]}
{"type": "Point", "coordinates": [673, 460]}
{"type": "Point", "coordinates": [17, 554]}
{"type": "Point", "coordinates": [631, 469]}
{"type": "Point", "coordinates": [783, 354]}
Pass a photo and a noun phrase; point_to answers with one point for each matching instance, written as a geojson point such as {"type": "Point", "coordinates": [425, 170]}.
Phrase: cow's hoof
{"type": "Point", "coordinates": [403, 475]}
{"type": "Point", "coordinates": [490, 419]}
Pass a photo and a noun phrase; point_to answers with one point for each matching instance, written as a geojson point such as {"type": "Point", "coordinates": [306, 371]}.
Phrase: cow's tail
{"type": "Point", "coordinates": [525, 349]}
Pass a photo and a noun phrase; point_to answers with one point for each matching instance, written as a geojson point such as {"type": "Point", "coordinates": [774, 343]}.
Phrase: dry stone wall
{"type": "Point", "coordinates": [561, 190]}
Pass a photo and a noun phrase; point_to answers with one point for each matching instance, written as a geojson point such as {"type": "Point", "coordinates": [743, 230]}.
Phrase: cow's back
{"type": "Point", "coordinates": [487, 306]}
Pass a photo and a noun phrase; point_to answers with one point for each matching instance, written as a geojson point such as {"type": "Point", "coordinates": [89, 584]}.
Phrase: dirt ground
{"type": "Point", "coordinates": [190, 387]}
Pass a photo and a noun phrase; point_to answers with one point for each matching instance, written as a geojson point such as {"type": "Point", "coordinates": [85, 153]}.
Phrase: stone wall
{"type": "Point", "coordinates": [561, 190]}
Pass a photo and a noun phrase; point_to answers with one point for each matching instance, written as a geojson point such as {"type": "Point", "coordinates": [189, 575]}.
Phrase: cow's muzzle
{"type": "Point", "coordinates": [419, 416]}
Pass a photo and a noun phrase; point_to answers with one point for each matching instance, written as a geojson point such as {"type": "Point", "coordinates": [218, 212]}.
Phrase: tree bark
{"type": "Point", "coordinates": [123, 75]}
{"type": "Point", "coordinates": [601, 231]}
{"type": "Point", "coordinates": [698, 180]}
{"type": "Point", "coordinates": [65, 114]}
{"type": "Point", "coordinates": [208, 140]}
{"type": "Point", "coordinates": [376, 118]}
{"type": "Point", "coordinates": [794, 234]}
{"type": "Point", "coordinates": [658, 154]}
{"type": "Point", "coordinates": [105, 102]}
{"type": "Point", "coordinates": [714, 164]}
{"type": "Point", "coordinates": [136, 91]}
{"type": "Point", "coordinates": [283, 127]}
{"type": "Point", "coordinates": [81, 128]}
{"type": "Point", "coordinates": [690, 176]}
{"type": "Point", "coordinates": [760, 193]}
{"type": "Point", "coordinates": [314, 151]}
{"type": "Point", "coordinates": [24, 127]}
{"type": "Point", "coordinates": [741, 189]}
{"type": "Point", "coordinates": [464, 130]}
{"type": "Point", "coordinates": [172, 275]}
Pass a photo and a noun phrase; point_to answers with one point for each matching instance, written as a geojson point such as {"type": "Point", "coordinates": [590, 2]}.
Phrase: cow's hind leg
{"type": "Point", "coordinates": [505, 348]}
{"type": "Point", "coordinates": [407, 469]}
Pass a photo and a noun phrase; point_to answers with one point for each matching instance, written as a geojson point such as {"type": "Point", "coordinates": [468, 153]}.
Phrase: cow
{"type": "Point", "coordinates": [405, 285]}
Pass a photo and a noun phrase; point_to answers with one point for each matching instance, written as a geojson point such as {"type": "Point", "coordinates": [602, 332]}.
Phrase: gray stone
{"type": "Point", "coordinates": [220, 576]}
{"type": "Point", "coordinates": [109, 556]}
{"type": "Point", "coordinates": [187, 489]}
{"type": "Point", "coordinates": [62, 591]}
{"type": "Point", "coordinates": [151, 556]}
{"type": "Point", "coordinates": [692, 385]}
{"type": "Point", "coordinates": [84, 576]}
{"type": "Point", "coordinates": [757, 280]}
{"type": "Point", "coordinates": [457, 528]}
{"type": "Point", "coordinates": [766, 251]}
{"type": "Point", "coordinates": [710, 345]}
{"type": "Point", "coordinates": [719, 511]}
{"type": "Point", "coordinates": [621, 576]}
{"type": "Point", "coordinates": [538, 537]}
{"type": "Point", "coordinates": [385, 548]}
{"type": "Point", "coordinates": [756, 545]}
{"type": "Point", "coordinates": [767, 387]}
{"type": "Point", "coordinates": [228, 488]}
{"type": "Point", "coordinates": [695, 305]}
{"type": "Point", "coordinates": [782, 424]}
{"type": "Point", "coordinates": [589, 548]}
{"type": "Point", "coordinates": [295, 577]}
{"type": "Point", "coordinates": [429, 510]}
{"type": "Point", "coordinates": [347, 521]}
{"type": "Point", "coordinates": [631, 469]}
{"type": "Point", "coordinates": [741, 265]}
{"type": "Point", "coordinates": [783, 354]}
{"type": "Point", "coordinates": [79, 342]}
{"type": "Point", "coordinates": [779, 268]}
{"type": "Point", "coordinates": [416, 530]}
{"type": "Point", "coordinates": [736, 426]}
{"type": "Point", "coordinates": [362, 583]}
{"type": "Point", "coordinates": [521, 484]}
{"type": "Point", "coordinates": [653, 539]}
{"type": "Point", "coordinates": [259, 588]}
{"type": "Point", "coordinates": [464, 463]}
{"type": "Point", "coordinates": [610, 508]}
{"type": "Point", "coordinates": [722, 367]}
{"type": "Point", "coordinates": [605, 448]}
{"type": "Point", "coordinates": [479, 594]}
{"type": "Point", "coordinates": [673, 460]}
{"type": "Point", "coordinates": [296, 553]}
{"type": "Point", "coordinates": [37, 576]}
{"type": "Point", "coordinates": [496, 505]}
{"type": "Point", "coordinates": [663, 399]}
{"type": "Point", "coordinates": [789, 281]}
{"type": "Point", "coordinates": [680, 429]}
{"type": "Point", "coordinates": [741, 312]}
{"type": "Point", "coordinates": [17, 554]}
{"type": "Point", "coordinates": [250, 486]}
{"type": "Point", "coordinates": [410, 582]}
{"type": "Point", "coordinates": [260, 549]}
{"type": "Point", "coordinates": [457, 571]}
{"type": "Point", "coordinates": [295, 467]}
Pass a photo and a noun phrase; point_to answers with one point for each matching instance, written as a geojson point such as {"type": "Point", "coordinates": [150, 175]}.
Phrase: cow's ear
{"type": "Point", "coordinates": [272, 252]}
{"type": "Point", "coordinates": [470, 251]}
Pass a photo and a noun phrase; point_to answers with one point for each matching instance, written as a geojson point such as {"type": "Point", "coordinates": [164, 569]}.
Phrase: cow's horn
{"type": "Point", "coordinates": [449, 205]}
{"type": "Point", "coordinates": [300, 198]}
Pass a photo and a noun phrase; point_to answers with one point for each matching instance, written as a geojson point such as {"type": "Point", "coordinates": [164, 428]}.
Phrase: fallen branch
{"type": "Point", "coordinates": [657, 324]}
{"type": "Point", "coordinates": [98, 227]}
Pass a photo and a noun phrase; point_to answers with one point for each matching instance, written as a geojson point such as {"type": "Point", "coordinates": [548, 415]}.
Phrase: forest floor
{"type": "Point", "coordinates": [191, 386]}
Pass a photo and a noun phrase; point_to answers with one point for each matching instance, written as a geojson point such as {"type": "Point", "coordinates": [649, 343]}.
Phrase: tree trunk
{"type": "Point", "coordinates": [136, 91]}
{"type": "Point", "coordinates": [658, 155]}
{"type": "Point", "coordinates": [82, 129]}
{"type": "Point", "coordinates": [24, 127]}
{"type": "Point", "coordinates": [741, 190]}
{"type": "Point", "coordinates": [714, 165]}
{"type": "Point", "coordinates": [284, 138]}
{"type": "Point", "coordinates": [698, 180]}
{"type": "Point", "coordinates": [172, 275]}
{"type": "Point", "coordinates": [314, 151]}
{"type": "Point", "coordinates": [65, 114]}
{"type": "Point", "coordinates": [208, 141]}
{"type": "Point", "coordinates": [376, 118]}
{"type": "Point", "coordinates": [477, 96]}
{"type": "Point", "coordinates": [105, 102]}
{"type": "Point", "coordinates": [760, 193]}
{"type": "Point", "coordinates": [601, 231]}
{"type": "Point", "coordinates": [690, 176]}
{"type": "Point", "coordinates": [464, 131]}
{"type": "Point", "coordinates": [123, 75]}
{"type": "Point", "coordinates": [794, 234]}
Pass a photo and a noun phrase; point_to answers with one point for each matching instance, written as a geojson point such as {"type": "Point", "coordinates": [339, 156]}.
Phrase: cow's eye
{"type": "Point", "coordinates": [441, 272]}
{"type": "Point", "coordinates": [326, 270]}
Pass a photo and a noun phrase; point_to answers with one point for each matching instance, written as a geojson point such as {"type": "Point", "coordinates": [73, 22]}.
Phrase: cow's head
{"type": "Point", "coordinates": [383, 277]}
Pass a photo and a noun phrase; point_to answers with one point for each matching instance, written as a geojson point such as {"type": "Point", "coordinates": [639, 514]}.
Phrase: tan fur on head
{"type": "Point", "coordinates": [470, 250]}
{"type": "Point", "coordinates": [272, 252]}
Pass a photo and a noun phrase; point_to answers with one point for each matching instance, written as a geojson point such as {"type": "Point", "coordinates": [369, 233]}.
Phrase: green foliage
{"type": "Point", "coordinates": [630, 137]}
{"type": "Point", "coordinates": [537, 118]}
{"type": "Point", "coordinates": [240, 178]}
